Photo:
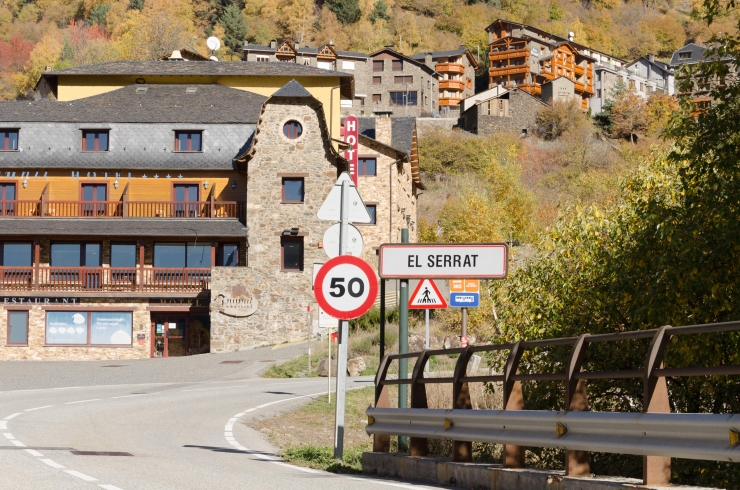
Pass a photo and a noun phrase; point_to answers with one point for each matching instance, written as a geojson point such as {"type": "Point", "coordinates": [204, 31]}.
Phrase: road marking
{"type": "Point", "coordinates": [13, 416]}
{"type": "Point", "coordinates": [109, 487]}
{"type": "Point", "coordinates": [53, 464]}
{"type": "Point", "coordinates": [38, 408]}
{"type": "Point", "coordinates": [17, 443]}
{"type": "Point", "coordinates": [83, 401]}
{"type": "Point", "coordinates": [79, 475]}
{"type": "Point", "coordinates": [33, 452]}
{"type": "Point", "coordinates": [8, 436]}
{"type": "Point", "coordinates": [3, 425]}
{"type": "Point", "coordinates": [128, 396]}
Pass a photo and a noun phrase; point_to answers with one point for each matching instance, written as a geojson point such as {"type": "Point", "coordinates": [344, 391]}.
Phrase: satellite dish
{"type": "Point", "coordinates": [213, 58]}
{"type": "Point", "coordinates": [213, 43]}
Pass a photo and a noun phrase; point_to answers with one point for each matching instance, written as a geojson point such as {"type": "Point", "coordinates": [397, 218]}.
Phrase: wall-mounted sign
{"type": "Point", "coordinates": [196, 302]}
{"type": "Point", "coordinates": [40, 301]}
{"type": "Point", "coordinates": [351, 128]}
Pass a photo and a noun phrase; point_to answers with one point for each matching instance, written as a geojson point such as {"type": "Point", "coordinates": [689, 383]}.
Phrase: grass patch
{"type": "Point", "coordinates": [298, 367]}
{"type": "Point", "coordinates": [322, 458]}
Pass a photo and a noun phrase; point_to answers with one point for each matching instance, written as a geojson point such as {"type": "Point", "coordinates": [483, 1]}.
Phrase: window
{"type": "Point", "coordinates": [9, 140]}
{"type": "Point", "coordinates": [292, 129]}
{"type": "Point", "coordinates": [188, 141]}
{"type": "Point", "coordinates": [367, 166]}
{"type": "Point", "coordinates": [403, 79]}
{"type": "Point", "coordinates": [361, 100]}
{"type": "Point", "coordinates": [17, 328]}
{"type": "Point", "coordinates": [348, 65]}
{"type": "Point", "coordinates": [186, 193]}
{"type": "Point", "coordinates": [397, 65]}
{"type": "Point", "coordinates": [372, 209]}
{"type": "Point", "coordinates": [97, 194]}
{"type": "Point", "coordinates": [89, 327]}
{"type": "Point", "coordinates": [123, 255]}
{"type": "Point", "coordinates": [263, 58]}
{"type": "Point", "coordinates": [7, 199]}
{"type": "Point", "coordinates": [404, 98]}
{"type": "Point", "coordinates": [291, 253]}
{"type": "Point", "coordinates": [376, 98]}
{"type": "Point", "coordinates": [307, 61]}
{"type": "Point", "coordinates": [95, 140]}
{"type": "Point", "coordinates": [17, 254]}
{"type": "Point", "coordinates": [345, 104]}
{"type": "Point", "coordinates": [377, 80]}
{"type": "Point", "coordinates": [67, 254]}
{"type": "Point", "coordinates": [378, 65]}
{"type": "Point", "coordinates": [228, 255]}
{"type": "Point", "coordinates": [293, 189]}
{"type": "Point", "coordinates": [684, 55]}
{"type": "Point", "coordinates": [326, 65]}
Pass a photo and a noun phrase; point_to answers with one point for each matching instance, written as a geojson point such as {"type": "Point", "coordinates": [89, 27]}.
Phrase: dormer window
{"type": "Point", "coordinates": [186, 141]}
{"type": "Point", "coordinates": [684, 55]}
{"type": "Point", "coordinates": [9, 140]}
{"type": "Point", "coordinates": [95, 140]}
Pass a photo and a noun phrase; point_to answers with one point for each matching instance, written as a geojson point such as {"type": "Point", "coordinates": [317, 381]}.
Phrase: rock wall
{"type": "Point", "coordinates": [523, 109]}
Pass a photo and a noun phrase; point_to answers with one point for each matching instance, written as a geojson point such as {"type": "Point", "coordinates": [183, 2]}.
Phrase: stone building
{"type": "Point", "coordinates": [502, 111]}
{"type": "Point", "coordinates": [457, 76]}
{"type": "Point", "coordinates": [558, 89]}
{"type": "Point", "coordinates": [643, 76]}
{"type": "Point", "coordinates": [701, 92]}
{"type": "Point", "coordinates": [161, 220]}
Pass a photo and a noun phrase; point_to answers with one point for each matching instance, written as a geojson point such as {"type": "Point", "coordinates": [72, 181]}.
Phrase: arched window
{"type": "Point", "coordinates": [292, 129]}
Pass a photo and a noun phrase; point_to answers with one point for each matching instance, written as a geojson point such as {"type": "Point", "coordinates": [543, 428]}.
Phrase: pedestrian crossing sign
{"type": "Point", "coordinates": [427, 295]}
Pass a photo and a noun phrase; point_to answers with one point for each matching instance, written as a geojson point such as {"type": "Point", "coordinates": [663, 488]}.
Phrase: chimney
{"type": "Point", "coordinates": [651, 58]}
{"type": "Point", "coordinates": [383, 130]}
{"type": "Point", "coordinates": [48, 68]}
{"type": "Point", "coordinates": [388, 46]}
{"type": "Point", "coordinates": [462, 46]}
{"type": "Point", "coordinates": [571, 36]}
{"type": "Point", "coordinates": [428, 60]}
{"type": "Point", "coordinates": [273, 44]}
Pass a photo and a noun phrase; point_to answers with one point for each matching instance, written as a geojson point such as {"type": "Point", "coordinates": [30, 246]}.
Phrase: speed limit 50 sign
{"type": "Point", "coordinates": [346, 287]}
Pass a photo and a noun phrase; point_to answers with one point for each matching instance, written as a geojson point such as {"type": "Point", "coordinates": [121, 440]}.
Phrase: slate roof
{"type": "Point", "coordinates": [401, 56]}
{"type": "Point", "coordinates": [697, 54]}
{"type": "Point", "coordinates": [439, 54]}
{"type": "Point", "coordinates": [402, 131]}
{"type": "Point", "coordinates": [292, 89]}
{"type": "Point", "coordinates": [143, 227]}
{"type": "Point", "coordinates": [262, 48]}
{"type": "Point", "coordinates": [166, 103]}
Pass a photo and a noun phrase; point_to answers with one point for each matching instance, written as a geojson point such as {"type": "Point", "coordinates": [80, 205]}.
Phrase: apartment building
{"type": "Point", "coordinates": [643, 76]}
{"type": "Point", "coordinates": [457, 76]}
{"type": "Point", "coordinates": [169, 219]}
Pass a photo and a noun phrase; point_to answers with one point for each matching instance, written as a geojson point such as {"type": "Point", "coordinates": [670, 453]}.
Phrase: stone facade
{"type": "Point", "coordinates": [37, 349]}
{"type": "Point", "coordinates": [514, 111]}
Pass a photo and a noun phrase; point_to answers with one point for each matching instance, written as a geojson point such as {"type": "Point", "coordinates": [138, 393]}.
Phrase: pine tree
{"type": "Point", "coordinates": [235, 27]}
{"type": "Point", "coordinates": [380, 12]}
{"type": "Point", "coordinates": [136, 4]}
{"type": "Point", "coordinates": [347, 11]}
{"type": "Point", "coordinates": [99, 13]}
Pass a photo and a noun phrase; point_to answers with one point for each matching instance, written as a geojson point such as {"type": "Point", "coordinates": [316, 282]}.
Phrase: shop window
{"type": "Point", "coordinates": [95, 140]}
{"type": "Point", "coordinates": [186, 141]}
{"type": "Point", "coordinates": [291, 253]}
{"type": "Point", "coordinates": [9, 140]}
{"type": "Point", "coordinates": [228, 255]}
{"type": "Point", "coordinates": [378, 65]}
{"type": "Point", "coordinates": [89, 328]}
{"type": "Point", "coordinates": [293, 189]}
{"type": "Point", "coordinates": [17, 327]}
{"type": "Point", "coordinates": [367, 166]}
{"type": "Point", "coordinates": [292, 129]}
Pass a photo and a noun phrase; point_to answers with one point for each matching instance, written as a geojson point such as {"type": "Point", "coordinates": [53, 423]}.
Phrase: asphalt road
{"type": "Point", "coordinates": [159, 424]}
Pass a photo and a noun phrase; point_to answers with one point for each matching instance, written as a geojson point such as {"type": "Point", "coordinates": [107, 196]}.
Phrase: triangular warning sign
{"type": "Point", "coordinates": [330, 210]}
{"type": "Point", "coordinates": [427, 295]}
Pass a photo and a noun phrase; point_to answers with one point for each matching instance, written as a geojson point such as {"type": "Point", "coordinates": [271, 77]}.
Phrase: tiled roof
{"type": "Point", "coordinates": [221, 68]}
{"type": "Point", "coordinates": [303, 50]}
{"type": "Point", "coordinates": [292, 89]}
{"type": "Point", "coordinates": [196, 104]}
{"type": "Point", "coordinates": [143, 227]}
{"type": "Point", "coordinates": [402, 133]}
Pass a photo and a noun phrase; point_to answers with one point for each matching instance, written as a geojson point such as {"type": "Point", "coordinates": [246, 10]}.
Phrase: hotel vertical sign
{"type": "Point", "coordinates": [350, 137]}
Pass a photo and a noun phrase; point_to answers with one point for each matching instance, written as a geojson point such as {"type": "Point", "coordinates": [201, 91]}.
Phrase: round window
{"type": "Point", "coordinates": [292, 129]}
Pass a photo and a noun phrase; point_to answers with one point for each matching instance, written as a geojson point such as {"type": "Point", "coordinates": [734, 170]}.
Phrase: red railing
{"type": "Point", "coordinates": [108, 279]}
{"type": "Point", "coordinates": [121, 209]}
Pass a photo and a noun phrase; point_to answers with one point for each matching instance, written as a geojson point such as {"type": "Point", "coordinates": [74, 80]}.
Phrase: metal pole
{"type": "Point", "coordinates": [426, 368]}
{"type": "Point", "coordinates": [403, 344]}
{"type": "Point", "coordinates": [464, 337]}
{"type": "Point", "coordinates": [382, 319]}
{"type": "Point", "coordinates": [328, 345]}
{"type": "Point", "coordinates": [343, 336]}
{"type": "Point", "coordinates": [309, 340]}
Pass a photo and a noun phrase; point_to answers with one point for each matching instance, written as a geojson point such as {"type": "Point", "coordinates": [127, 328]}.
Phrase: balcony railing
{"type": "Point", "coordinates": [121, 209]}
{"type": "Point", "coordinates": [450, 68]}
{"type": "Point", "coordinates": [452, 85]}
{"type": "Point", "coordinates": [104, 279]}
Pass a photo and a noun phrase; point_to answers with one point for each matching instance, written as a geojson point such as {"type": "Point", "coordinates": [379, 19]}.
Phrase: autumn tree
{"type": "Point", "coordinates": [629, 116]}
{"type": "Point", "coordinates": [556, 119]}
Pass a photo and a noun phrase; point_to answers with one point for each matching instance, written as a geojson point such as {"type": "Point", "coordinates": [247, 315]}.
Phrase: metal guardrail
{"type": "Point", "coordinates": [691, 436]}
{"type": "Point", "coordinates": [656, 463]}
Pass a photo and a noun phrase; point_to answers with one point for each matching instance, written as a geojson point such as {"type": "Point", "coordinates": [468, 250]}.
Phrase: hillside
{"type": "Point", "coordinates": [63, 33]}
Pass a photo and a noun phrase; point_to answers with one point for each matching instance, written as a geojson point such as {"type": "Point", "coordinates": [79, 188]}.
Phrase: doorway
{"type": "Point", "coordinates": [180, 334]}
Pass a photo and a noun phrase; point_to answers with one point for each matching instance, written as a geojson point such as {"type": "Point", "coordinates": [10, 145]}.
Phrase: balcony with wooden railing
{"type": "Point", "coordinates": [508, 54]}
{"type": "Point", "coordinates": [450, 68]}
{"type": "Point", "coordinates": [508, 70]}
{"type": "Point", "coordinates": [44, 279]}
{"type": "Point", "coordinates": [451, 85]}
{"type": "Point", "coordinates": [122, 209]}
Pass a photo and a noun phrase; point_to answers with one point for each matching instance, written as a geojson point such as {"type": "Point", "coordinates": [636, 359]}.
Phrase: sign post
{"type": "Point", "coordinates": [403, 344]}
{"type": "Point", "coordinates": [464, 293]}
{"type": "Point", "coordinates": [427, 295]}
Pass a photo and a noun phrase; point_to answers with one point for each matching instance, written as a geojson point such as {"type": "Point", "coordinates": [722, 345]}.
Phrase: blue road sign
{"type": "Point", "coordinates": [464, 300]}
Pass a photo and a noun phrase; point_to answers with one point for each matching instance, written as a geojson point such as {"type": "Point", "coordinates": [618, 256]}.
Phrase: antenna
{"type": "Point", "coordinates": [213, 43]}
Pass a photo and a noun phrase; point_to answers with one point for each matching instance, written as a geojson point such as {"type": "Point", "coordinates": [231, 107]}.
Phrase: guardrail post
{"type": "Point", "coordinates": [382, 443]}
{"type": "Point", "coordinates": [419, 446]}
{"type": "Point", "coordinates": [462, 451]}
{"type": "Point", "coordinates": [513, 400]}
{"type": "Point", "coordinates": [577, 463]}
{"type": "Point", "coordinates": [656, 470]}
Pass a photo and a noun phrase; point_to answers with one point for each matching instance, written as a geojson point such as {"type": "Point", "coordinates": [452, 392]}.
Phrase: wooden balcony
{"type": "Point", "coordinates": [450, 68]}
{"type": "Point", "coordinates": [579, 70]}
{"type": "Point", "coordinates": [505, 55]}
{"type": "Point", "coordinates": [104, 279]}
{"type": "Point", "coordinates": [449, 101]}
{"type": "Point", "coordinates": [451, 85]}
{"type": "Point", "coordinates": [122, 209]}
{"type": "Point", "coordinates": [508, 70]}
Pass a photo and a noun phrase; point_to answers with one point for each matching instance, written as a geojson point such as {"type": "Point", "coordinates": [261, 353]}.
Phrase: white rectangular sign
{"type": "Point", "coordinates": [443, 261]}
{"type": "Point", "coordinates": [326, 320]}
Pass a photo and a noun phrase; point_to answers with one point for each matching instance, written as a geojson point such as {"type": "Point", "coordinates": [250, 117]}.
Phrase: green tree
{"type": "Point", "coordinates": [235, 27]}
{"type": "Point", "coordinates": [347, 11]}
{"type": "Point", "coordinates": [136, 4]}
{"type": "Point", "coordinates": [99, 13]}
{"type": "Point", "coordinates": [379, 12]}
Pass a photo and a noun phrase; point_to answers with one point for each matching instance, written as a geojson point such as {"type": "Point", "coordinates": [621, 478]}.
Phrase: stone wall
{"type": "Point", "coordinates": [426, 124]}
{"type": "Point", "coordinates": [523, 109]}
{"type": "Point", "coordinates": [37, 351]}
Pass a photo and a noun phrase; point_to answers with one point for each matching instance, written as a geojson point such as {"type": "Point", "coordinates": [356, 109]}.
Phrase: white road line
{"type": "Point", "coordinates": [33, 452]}
{"type": "Point", "coordinates": [53, 464]}
{"type": "Point", "coordinates": [79, 475]}
{"type": "Point", "coordinates": [17, 443]}
{"type": "Point", "coordinates": [83, 401]}
{"type": "Point", "coordinates": [38, 408]}
{"type": "Point", "coordinates": [3, 425]}
{"type": "Point", "coordinates": [13, 416]}
{"type": "Point", "coordinates": [109, 487]}
{"type": "Point", "coordinates": [8, 436]}
{"type": "Point", "coordinates": [129, 396]}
